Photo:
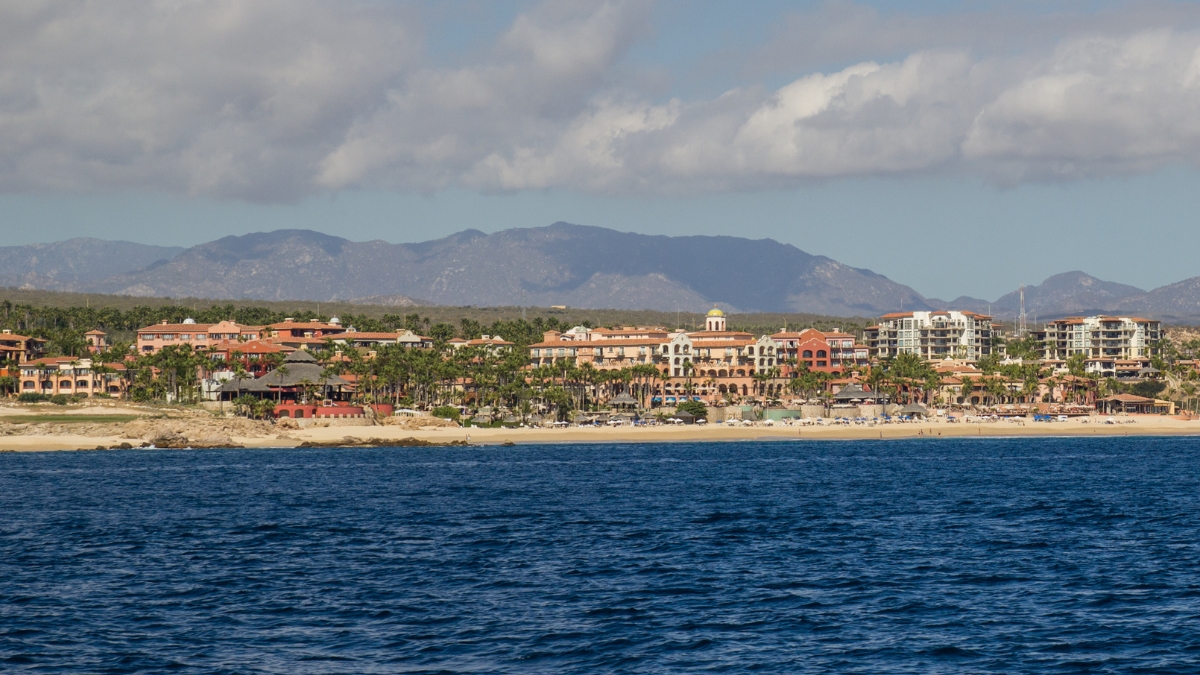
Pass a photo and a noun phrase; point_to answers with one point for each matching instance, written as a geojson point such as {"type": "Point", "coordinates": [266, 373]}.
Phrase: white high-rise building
{"type": "Point", "coordinates": [932, 335]}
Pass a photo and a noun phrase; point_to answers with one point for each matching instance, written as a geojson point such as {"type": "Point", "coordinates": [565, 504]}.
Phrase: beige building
{"type": "Point", "coordinates": [70, 376]}
{"type": "Point", "coordinates": [1110, 338]}
{"type": "Point", "coordinates": [933, 335]}
{"type": "Point", "coordinates": [19, 348]}
{"type": "Point", "coordinates": [711, 364]}
{"type": "Point", "coordinates": [151, 339]}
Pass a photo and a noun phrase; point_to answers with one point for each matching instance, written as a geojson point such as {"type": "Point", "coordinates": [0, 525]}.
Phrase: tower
{"type": "Point", "coordinates": [1021, 323]}
{"type": "Point", "coordinates": [715, 321]}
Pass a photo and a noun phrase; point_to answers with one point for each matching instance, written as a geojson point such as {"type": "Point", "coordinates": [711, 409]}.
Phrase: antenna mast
{"type": "Point", "coordinates": [1021, 326]}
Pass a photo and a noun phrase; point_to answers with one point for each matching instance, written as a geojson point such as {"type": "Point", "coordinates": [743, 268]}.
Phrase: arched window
{"type": "Point", "coordinates": [283, 413]}
{"type": "Point", "coordinates": [64, 384]}
{"type": "Point", "coordinates": [821, 353]}
{"type": "Point", "coordinates": [807, 354]}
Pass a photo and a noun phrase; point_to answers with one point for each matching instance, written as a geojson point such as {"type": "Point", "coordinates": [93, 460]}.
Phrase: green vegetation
{"type": "Point", "coordinates": [446, 412]}
{"type": "Point", "coordinates": [63, 318]}
{"type": "Point", "coordinates": [695, 408]}
{"type": "Point", "coordinates": [254, 408]}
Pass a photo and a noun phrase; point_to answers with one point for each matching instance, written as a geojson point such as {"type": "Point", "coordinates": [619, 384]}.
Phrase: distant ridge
{"type": "Point", "coordinates": [561, 264]}
{"type": "Point", "coordinates": [70, 265]}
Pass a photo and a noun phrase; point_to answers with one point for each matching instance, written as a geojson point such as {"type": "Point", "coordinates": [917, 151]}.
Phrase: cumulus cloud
{"type": "Point", "coordinates": [272, 100]}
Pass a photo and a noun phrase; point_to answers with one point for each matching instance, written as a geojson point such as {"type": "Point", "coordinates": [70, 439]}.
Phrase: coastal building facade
{"type": "Point", "coordinates": [832, 352]}
{"type": "Point", "coordinates": [932, 335]}
{"type": "Point", "coordinates": [712, 364]}
{"type": "Point", "coordinates": [19, 348]}
{"type": "Point", "coordinates": [71, 376]}
{"type": "Point", "coordinates": [152, 339]}
{"type": "Point", "coordinates": [1101, 337]}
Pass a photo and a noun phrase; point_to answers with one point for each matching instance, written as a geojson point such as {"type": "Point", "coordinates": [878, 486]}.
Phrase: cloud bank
{"type": "Point", "coordinates": [275, 101]}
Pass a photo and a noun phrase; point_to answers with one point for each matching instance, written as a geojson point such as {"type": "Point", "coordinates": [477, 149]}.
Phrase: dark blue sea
{"type": "Point", "coordinates": [934, 556]}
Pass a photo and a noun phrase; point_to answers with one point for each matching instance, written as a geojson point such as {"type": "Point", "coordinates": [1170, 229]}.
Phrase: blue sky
{"type": "Point", "coordinates": [960, 148]}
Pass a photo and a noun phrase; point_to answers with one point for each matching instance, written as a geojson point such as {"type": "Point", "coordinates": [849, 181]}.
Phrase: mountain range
{"type": "Point", "coordinates": [561, 264]}
{"type": "Point", "coordinates": [76, 262]}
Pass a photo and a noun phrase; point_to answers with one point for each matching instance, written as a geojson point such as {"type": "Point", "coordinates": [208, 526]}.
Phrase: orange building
{"type": "Point", "coordinates": [833, 352]}
{"type": "Point", "coordinates": [70, 376]}
{"type": "Point", "coordinates": [151, 339]}
{"type": "Point", "coordinates": [19, 348]}
{"type": "Point", "coordinates": [713, 365]}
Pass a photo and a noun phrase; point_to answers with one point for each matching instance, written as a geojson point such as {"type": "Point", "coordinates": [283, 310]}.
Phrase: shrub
{"type": "Point", "coordinates": [696, 408]}
{"type": "Point", "coordinates": [446, 412]}
{"type": "Point", "coordinates": [32, 397]}
{"type": "Point", "coordinates": [60, 399]}
{"type": "Point", "coordinates": [1148, 388]}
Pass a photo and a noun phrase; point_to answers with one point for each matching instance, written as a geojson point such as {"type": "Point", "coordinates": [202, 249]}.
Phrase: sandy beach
{"type": "Point", "coordinates": [22, 432]}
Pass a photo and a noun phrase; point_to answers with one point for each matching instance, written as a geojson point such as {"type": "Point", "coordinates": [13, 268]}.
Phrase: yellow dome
{"type": "Point", "coordinates": [715, 312]}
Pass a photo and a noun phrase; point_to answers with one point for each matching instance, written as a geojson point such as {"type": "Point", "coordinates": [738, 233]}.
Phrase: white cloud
{"type": "Point", "coordinates": [269, 100]}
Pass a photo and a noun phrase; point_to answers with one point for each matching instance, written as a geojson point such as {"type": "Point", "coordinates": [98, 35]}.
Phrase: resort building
{"type": "Point", "coordinates": [933, 335]}
{"type": "Point", "coordinates": [833, 352]}
{"type": "Point", "coordinates": [256, 357]}
{"type": "Point", "coordinates": [151, 339]}
{"type": "Point", "coordinates": [290, 328]}
{"type": "Point", "coordinates": [1101, 337]}
{"type": "Point", "coordinates": [712, 364]}
{"type": "Point", "coordinates": [19, 348]}
{"type": "Point", "coordinates": [304, 334]}
{"type": "Point", "coordinates": [300, 379]}
{"type": "Point", "coordinates": [71, 376]}
{"type": "Point", "coordinates": [405, 338]}
{"type": "Point", "coordinates": [492, 343]}
{"type": "Point", "coordinates": [97, 341]}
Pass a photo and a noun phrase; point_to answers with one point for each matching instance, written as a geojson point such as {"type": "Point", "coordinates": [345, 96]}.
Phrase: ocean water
{"type": "Point", "coordinates": [934, 556]}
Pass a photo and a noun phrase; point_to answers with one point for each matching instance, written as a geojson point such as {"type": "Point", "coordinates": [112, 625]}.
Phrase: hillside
{"type": "Point", "coordinates": [562, 264]}
{"type": "Point", "coordinates": [67, 265]}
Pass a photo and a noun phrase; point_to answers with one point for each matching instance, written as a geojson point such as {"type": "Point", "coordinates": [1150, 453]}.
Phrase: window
{"type": "Point", "coordinates": [821, 353]}
{"type": "Point", "coordinates": [807, 354]}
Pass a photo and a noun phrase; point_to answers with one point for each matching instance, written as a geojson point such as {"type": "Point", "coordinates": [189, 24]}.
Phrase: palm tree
{"type": "Point", "coordinates": [932, 385]}
{"type": "Point", "coordinates": [967, 389]}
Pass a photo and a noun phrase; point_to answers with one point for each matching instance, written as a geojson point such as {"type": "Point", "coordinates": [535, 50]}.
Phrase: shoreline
{"type": "Point", "coordinates": [1130, 426]}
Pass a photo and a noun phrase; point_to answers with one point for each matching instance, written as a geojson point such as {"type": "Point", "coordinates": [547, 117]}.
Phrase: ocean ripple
{"type": "Point", "coordinates": [923, 556]}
